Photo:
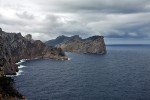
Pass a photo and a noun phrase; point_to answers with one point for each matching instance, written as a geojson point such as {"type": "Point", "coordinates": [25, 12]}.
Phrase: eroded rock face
{"type": "Point", "coordinates": [14, 47]}
{"type": "Point", "coordinates": [0, 29]}
{"type": "Point", "coordinates": [94, 44]}
{"type": "Point", "coordinates": [28, 37]}
{"type": "Point", "coordinates": [57, 41]}
{"type": "Point", "coordinates": [8, 91]}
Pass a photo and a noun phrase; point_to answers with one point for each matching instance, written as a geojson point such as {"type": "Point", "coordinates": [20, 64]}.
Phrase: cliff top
{"type": "Point", "coordinates": [95, 37]}
{"type": "Point", "coordinates": [28, 37]}
{"type": "Point", "coordinates": [0, 29]}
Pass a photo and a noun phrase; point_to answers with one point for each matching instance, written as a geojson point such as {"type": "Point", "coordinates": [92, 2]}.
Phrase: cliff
{"type": "Point", "coordinates": [94, 44]}
{"type": "Point", "coordinates": [7, 90]}
{"type": "Point", "coordinates": [14, 47]}
{"type": "Point", "coordinates": [57, 41]}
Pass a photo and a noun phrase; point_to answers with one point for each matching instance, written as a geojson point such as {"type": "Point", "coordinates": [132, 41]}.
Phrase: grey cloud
{"type": "Point", "coordinates": [12, 23]}
{"type": "Point", "coordinates": [58, 25]}
{"type": "Point", "coordinates": [101, 6]}
{"type": "Point", "coordinates": [25, 15]}
{"type": "Point", "coordinates": [111, 18]}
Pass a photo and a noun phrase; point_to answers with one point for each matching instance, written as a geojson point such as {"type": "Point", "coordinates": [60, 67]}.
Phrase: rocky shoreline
{"type": "Point", "coordinates": [8, 91]}
{"type": "Point", "coordinates": [94, 44]}
{"type": "Point", "coordinates": [13, 48]}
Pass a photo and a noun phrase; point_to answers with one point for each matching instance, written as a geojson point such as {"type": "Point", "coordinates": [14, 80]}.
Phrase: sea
{"type": "Point", "coordinates": [122, 74]}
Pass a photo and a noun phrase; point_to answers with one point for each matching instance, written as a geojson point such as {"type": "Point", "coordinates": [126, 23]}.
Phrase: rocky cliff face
{"type": "Point", "coordinates": [93, 44]}
{"type": "Point", "coordinates": [14, 47]}
{"type": "Point", "coordinates": [57, 41]}
{"type": "Point", "coordinates": [7, 90]}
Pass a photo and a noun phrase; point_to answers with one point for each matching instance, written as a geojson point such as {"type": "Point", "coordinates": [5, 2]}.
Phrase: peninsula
{"type": "Point", "coordinates": [13, 48]}
{"type": "Point", "coordinates": [94, 44]}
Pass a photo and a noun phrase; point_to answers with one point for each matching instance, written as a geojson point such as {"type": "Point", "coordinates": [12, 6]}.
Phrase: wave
{"type": "Point", "coordinates": [21, 61]}
{"type": "Point", "coordinates": [21, 66]}
{"type": "Point", "coordinates": [19, 72]}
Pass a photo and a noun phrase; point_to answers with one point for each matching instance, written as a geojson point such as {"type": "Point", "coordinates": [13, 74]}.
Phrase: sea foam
{"type": "Point", "coordinates": [19, 72]}
{"type": "Point", "coordinates": [20, 67]}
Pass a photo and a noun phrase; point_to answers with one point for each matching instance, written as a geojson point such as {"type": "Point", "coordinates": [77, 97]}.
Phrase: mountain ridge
{"type": "Point", "coordinates": [14, 47]}
{"type": "Point", "coordinates": [94, 44]}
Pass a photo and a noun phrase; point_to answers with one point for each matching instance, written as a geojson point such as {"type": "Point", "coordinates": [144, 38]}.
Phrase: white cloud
{"type": "Point", "coordinates": [50, 18]}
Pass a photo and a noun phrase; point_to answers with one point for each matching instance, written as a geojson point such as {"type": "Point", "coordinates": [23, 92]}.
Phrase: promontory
{"type": "Point", "coordinates": [14, 47]}
{"type": "Point", "coordinates": [94, 44]}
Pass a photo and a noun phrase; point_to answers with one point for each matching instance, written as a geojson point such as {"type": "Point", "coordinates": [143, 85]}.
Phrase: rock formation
{"type": "Point", "coordinates": [7, 90]}
{"type": "Point", "coordinates": [0, 29]}
{"type": "Point", "coordinates": [57, 41]}
{"type": "Point", "coordinates": [14, 47]}
{"type": "Point", "coordinates": [28, 37]}
{"type": "Point", "coordinates": [94, 44]}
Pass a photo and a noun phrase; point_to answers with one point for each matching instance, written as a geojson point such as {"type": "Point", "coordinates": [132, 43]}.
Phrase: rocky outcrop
{"type": "Point", "coordinates": [7, 90]}
{"type": "Point", "coordinates": [94, 44]}
{"type": "Point", "coordinates": [57, 41]}
{"type": "Point", "coordinates": [28, 37]}
{"type": "Point", "coordinates": [14, 47]}
{"type": "Point", "coordinates": [0, 29]}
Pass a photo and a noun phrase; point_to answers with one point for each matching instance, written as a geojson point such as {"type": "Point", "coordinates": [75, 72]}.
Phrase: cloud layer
{"type": "Point", "coordinates": [46, 19]}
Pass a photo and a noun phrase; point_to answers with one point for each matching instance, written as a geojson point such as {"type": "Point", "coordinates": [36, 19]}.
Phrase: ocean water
{"type": "Point", "coordinates": [122, 74]}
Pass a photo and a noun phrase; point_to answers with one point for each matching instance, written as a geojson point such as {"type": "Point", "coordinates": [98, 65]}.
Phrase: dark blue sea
{"type": "Point", "coordinates": [122, 74]}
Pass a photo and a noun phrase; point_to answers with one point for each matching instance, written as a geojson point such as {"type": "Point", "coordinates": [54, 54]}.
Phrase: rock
{"type": "Point", "coordinates": [94, 44]}
{"type": "Point", "coordinates": [15, 47]}
{"type": "Point", "coordinates": [28, 37]}
{"type": "Point", "coordinates": [0, 29]}
{"type": "Point", "coordinates": [8, 91]}
{"type": "Point", "coordinates": [57, 41]}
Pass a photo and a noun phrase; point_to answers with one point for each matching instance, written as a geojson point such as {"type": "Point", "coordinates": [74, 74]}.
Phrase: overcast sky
{"type": "Point", "coordinates": [120, 21]}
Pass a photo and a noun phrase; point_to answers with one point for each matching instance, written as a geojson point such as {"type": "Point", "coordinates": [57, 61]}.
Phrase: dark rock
{"type": "Point", "coordinates": [28, 37]}
{"type": "Point", "coordinates": [15, 47]}
{"type": "Point", "coordinates": [8, 91]}
{"type": "Point", "coordinates": [0, 29]}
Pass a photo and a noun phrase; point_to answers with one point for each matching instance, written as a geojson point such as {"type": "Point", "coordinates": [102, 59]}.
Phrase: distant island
{"type": "Point", "coordinates": [94, 44]}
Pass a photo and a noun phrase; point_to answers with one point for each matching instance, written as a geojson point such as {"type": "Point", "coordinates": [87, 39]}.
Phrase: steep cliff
{"type": "Point", "coordinates": [7, 90]}
{"type": "Point", "coordinates": [56, 41]}
{"type": "Point", "coordinates": [14, 47]}
{"type": "Point", "coordinates": [94, 44]}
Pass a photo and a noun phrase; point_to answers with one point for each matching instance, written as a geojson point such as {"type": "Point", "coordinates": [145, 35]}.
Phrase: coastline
{"type": "Point", "coordinates": [24, 60]}
{"type": "Point", "coordinates": [11, 93]}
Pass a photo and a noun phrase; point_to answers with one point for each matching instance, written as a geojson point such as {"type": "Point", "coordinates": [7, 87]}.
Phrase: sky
{"type": "Point", "coordinates": [119, 21]}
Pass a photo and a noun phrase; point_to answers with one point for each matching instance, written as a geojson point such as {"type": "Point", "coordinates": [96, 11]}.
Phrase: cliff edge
{"type": "Point", "coordinates": [94, 44]}
{"type": "Point", "coordinates": [7, 90]}
{"type": "Point", "coordinates": [14, 47]}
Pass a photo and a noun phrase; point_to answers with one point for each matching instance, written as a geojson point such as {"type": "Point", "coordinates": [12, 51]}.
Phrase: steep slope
{"type": "Point", "coordinates": [8, 91]}
{"type": "Point", "coordinates": [94, 44]}
{"type": "Point", "coordinates": [56, 41]}
{"type": "Point", "coordinates": [14, 47]}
